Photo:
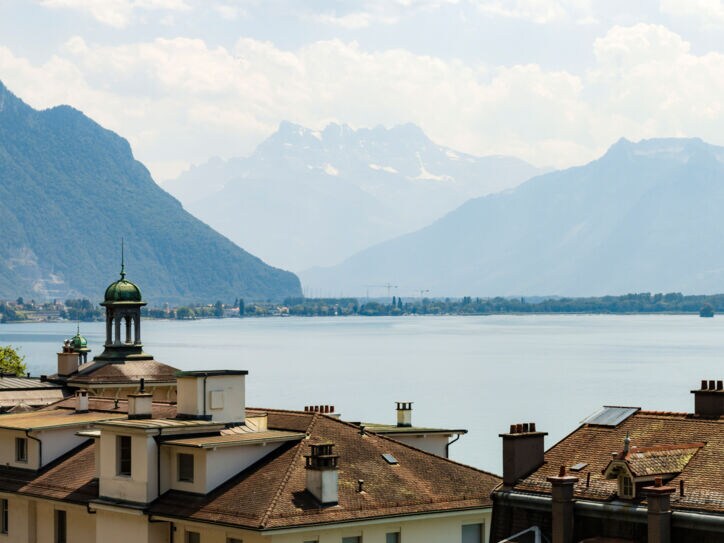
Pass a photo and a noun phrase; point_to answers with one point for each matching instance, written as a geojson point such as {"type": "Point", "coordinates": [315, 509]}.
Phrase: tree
{"type": "Point", "coordinates": [218, 309]}
{"type": "Point", "coordinates": [241, 307]}
{"type": "Point", "coordinates": [399, 304]}
{"type": "Point", "coordinates": [11, 361]}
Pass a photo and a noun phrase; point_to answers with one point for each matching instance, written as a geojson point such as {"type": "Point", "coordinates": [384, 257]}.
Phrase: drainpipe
{"type": "Point", "coordinates": [206, 376]}
{"type": "Point", "coordinates": [447, 446]}
{"type": "Point", "coordinates": [158, 462]}
{"type": "Point", "coordinates": [40, 447]}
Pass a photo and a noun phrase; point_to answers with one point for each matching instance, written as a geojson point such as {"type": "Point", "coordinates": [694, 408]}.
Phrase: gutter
{"type": "Point", "coordinates": [614, 510]}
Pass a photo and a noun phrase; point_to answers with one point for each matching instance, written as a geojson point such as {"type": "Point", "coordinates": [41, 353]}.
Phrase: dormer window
{"type": "Point", "coordinates": [625, 486]}
{"type": "Point", "coordinates": [123, 456]}
{"type": "Point", "coordinates": [186, 468]}
{"type": "Point", "coordinates": [21, 449]}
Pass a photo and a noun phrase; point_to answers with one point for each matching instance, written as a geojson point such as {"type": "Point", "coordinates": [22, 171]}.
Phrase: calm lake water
{"type": "Point", "coordinates": [479, 373]}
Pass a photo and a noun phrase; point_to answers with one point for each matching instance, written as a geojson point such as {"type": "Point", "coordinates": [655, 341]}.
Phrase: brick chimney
{"type": "Point", "coordinates": [659, 511]}
{"type": "Point", "coordinates": [709, 399]}
{"type": "Point", "coordinates": [562, 506]}
{"type": "Point", "coordinates": [68, 360]}
{"type": "Point", "coordinates": [404, 414]}
{"type": "Point", "coordinates": [522, 451]}
{"type": "Point", "coordinates": [322, 473]}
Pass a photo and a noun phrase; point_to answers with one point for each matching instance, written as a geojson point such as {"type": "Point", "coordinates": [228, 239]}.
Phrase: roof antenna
{"type": "Point", "coordinates": [123, 262]}
{"type": "Point", "coordinates": [626, 443]}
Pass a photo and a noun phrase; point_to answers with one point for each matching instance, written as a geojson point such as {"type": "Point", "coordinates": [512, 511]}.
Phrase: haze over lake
{"type": "Point", "coordinates": [479, 373]}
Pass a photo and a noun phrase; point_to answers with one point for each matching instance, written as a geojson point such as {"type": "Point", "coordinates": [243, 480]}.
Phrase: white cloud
{"type": "Point", "coordinates": [116, 13]}
{"type": "Point", "coordinates": [181, 100]}
{"type": "Point", "coordinates": [539, 11]}
{"type": "Point", "coordinates": [710, 12]}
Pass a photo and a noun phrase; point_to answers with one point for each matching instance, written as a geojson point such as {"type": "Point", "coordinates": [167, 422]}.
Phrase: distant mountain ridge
{"type": "Point", "coordinates": [644, 217]}
{"type": "Point", "coordinates": [70, 189]}
{"type": "Point", "coordinates": [307, 197]}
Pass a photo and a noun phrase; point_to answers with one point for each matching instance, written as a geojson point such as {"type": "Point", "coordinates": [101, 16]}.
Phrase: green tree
{"type": "Point", "coordinates": [241, 307]}
{"type": "Point", "coordinates": [218, 309]}
{"type": "Point", "coordinates": [11, 361]}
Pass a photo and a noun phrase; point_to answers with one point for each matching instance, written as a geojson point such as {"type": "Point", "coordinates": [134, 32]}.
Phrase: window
{"type": "Point", "coordinates": [192, 537]}
{"type": "Point", "coordinates": [233, 540]}
{"type": "Point", "coordinates": [354, 539]}
{"type": "Point", "coordinates": [627, 490]}
{"type": "Point", "coordinates": [186, 467]}
{"type": "Point", "coordinates": [472, 533]}
{"type": "Point", "coordinates": [61, 527]}
{"type": "Point", "coordinates": [393, 537]}
{"type": "Point", "coordinates": [3, 516]}
{"type": "Point", "coordinates": [123, 453]}
{"type": "Point", "coordinates": [21, 449]}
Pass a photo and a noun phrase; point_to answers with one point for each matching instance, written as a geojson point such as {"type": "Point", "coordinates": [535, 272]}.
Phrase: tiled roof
{"type": "Point", "coordinates": [394, 429]}
{"type": "Point", "coordinates": [271, 493]}
{"type": "Point", "coordinates": [69, 478]}
{"type": "Point", "coordinates": [660, 460]}
{"type": "Point", "coordinates": [33, 397]}
{"type": "Point", "coordinates": [100, 373]}
{"type": "Point", "coordinates": [703, 473]}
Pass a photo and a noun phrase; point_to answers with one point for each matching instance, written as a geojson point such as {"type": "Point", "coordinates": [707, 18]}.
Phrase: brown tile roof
{"type": "Point", "coordinates": [100, 373]}
{"type": "Point", "coordinates": [661, 459]}
{"type": "Point", "coordinates": [703, 473]}
{"type": "Point", "coordinates": [69, 478]}
{"type": "Point", "coordinates": [271, 494]}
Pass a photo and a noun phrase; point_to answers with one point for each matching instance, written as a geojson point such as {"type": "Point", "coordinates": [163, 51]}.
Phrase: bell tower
{"type": "Point", "coordinates": [123, 303]}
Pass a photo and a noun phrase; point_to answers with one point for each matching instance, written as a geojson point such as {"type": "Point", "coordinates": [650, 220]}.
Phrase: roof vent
{"type": "Point", "coordinates": [81, 398]}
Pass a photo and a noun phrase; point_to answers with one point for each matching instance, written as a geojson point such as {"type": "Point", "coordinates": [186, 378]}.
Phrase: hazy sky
{"type": "Point", "coordinates": [552, 81]}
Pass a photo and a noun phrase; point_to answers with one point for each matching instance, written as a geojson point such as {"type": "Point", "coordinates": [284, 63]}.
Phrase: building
{"type": "Point", "coordinates": [625, 475]}
{"type": "Point", "coordinates": [433, 440]}
{"type": "Point", "coordinates": [141, 454]}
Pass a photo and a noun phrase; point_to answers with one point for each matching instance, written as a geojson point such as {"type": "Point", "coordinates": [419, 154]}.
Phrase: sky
{"type": "Point", "coordinates": [554, 82]}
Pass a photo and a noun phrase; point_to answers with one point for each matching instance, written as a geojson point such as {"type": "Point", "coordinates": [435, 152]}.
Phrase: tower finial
{"type": "Point", "coordinates": [627, 443]}
{"type": "Point", "coordinates": [123, 262]}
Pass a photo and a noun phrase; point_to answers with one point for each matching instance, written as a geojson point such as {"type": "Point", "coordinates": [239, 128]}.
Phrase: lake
{"type": "Point", "coordinates": [480, 373]}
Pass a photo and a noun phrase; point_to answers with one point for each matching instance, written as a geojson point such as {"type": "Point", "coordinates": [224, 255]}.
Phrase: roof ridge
{"type": "Point", "coordinates": [287, 476]}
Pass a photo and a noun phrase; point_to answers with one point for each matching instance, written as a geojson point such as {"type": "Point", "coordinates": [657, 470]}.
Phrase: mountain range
{"type": "Point", "coordinates": [645, 217]}
{"type": "Point", "coordinates": [70, 190]}
{"type": "Point", "coordinates": [305, 198]}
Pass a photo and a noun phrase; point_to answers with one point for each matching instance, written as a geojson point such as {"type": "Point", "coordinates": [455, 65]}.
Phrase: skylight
{"type": "Point", "coordinates": [390, 459]}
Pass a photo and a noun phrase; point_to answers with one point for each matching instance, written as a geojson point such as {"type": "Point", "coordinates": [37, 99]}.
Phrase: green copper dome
{"type": "Point", "coordinates": [78, 342]}
{"type": "Point", "coordinates": [123, 291]}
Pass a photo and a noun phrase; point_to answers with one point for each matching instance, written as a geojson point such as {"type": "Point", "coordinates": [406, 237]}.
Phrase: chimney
{"type": "Point", "coordinates": [709, 400]}
{"type": "Point", "coordinates": [404, 414]}
{"type": "Point", "coordinates": [522, 452]}
{"type": "Point", "coordinates": [562, 506]}
{"type": "Point", "coordinates": [659, 511]}
{"type": "Point", "coordinates": [81, 405]}
{"type": "Point", "coordinates": [140, 404]}
{"type": "Point", "coordinates": [216, 395]}
{"type": "Point", "coordinates": [68, 360]}
{"type": "Point", "coordinates": [322, 473]}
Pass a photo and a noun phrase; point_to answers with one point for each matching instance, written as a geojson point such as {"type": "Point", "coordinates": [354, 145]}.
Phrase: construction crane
{"type": "Point", "coordinates": [423, 291]}
{"type": "Point", "coordinates": [388, 286]}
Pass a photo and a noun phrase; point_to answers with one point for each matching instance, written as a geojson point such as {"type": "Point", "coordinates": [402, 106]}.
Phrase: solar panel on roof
{"type": "Point", "coordinates": [390, 459]}
{"type": "Point", "coordinates": [610, 416]}
{"type": "Point", "coordinates": [579, 466]}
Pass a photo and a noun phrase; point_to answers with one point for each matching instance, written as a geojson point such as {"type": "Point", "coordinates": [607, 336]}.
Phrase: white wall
{"type": "Point", "coordinates": [432, 443]}
{"type": "Point", "coordinates": [141, 486]}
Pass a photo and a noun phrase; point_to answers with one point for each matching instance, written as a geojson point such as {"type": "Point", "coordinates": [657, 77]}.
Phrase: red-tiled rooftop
{"type": "Point", "coordinates": [100, 373]}
{"type": "Point", "coordinates": [703, 472]}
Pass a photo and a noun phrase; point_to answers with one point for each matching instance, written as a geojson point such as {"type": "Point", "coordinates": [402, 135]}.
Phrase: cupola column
{"type": "Point", "coordinates": [118, 331]}
{"type": "Point", "coordinates": [109, 329]}
{"type": "Point", "coordinates": [137, 324]}
{"type": "Point", "coordinates": [128, 329]}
